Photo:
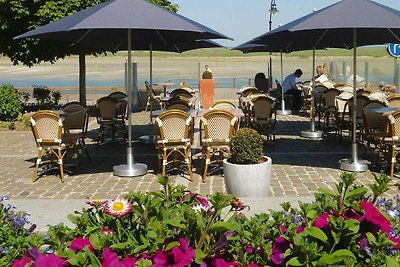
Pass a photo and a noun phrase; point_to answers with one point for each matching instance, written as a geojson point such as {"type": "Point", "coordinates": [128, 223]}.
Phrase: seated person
{"type": "Point", "coordinates": [260, 82]}
{"type": "Point", "coordinates": [289, 87]}
{"type": "Point", "coordinates": [322, 79]}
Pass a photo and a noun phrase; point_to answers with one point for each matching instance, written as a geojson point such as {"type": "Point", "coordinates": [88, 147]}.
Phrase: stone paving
{"type": "Point", "coordinates": [300, 165]}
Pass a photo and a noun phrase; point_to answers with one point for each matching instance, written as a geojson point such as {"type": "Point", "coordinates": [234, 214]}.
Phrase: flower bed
{"type": "Point", "coordinates": [176, 227]}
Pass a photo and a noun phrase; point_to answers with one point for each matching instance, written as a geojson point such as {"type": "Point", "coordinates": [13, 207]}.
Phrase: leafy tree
{"type": "Point", "coordinates": [20, 16]}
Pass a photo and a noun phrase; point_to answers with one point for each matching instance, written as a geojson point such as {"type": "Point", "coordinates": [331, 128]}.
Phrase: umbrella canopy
{"type": "Point", "coordinates": [149, 23]}
{"type": "Point", "coordinates": [346, 24]}
{"type": "Point", "coordinates": [332, 27]}
{"type": "Point", "coordinates": [120, 25]}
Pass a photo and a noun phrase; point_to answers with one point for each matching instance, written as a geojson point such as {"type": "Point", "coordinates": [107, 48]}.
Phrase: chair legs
{"type": "Point", "coordinates": [185, 153]}
{"type": "Point", "coordinates": [393, 159]}
{"type": "Point", "coordinates": [59, 157]}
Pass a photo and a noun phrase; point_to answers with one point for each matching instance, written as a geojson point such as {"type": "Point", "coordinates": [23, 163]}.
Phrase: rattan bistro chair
{"type": "Point", "coordinates": [47, 128]}
{"type": "Point", "coordinates": [175, 139]}
{"type": "Point", "coordinates": [76, 124]}
{"type": "Point", "coordinates": [263, 116]}
{"type": "Point", "coordinates": [394, 140]}
{"type": "Point", "coordinates": [218, 127]}
{"type": "Point", "coordinates": [107, 117]}
{"type": "Point", "coordinates": [179, 102]}
{"type": "Point", "coordinates": [224, 105]}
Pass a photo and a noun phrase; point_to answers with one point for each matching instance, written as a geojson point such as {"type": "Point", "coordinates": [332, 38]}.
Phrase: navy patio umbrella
{"type": "Point", "coordinates": [346, 24]}
{"type": "Point", "coordinates": [122, 24]}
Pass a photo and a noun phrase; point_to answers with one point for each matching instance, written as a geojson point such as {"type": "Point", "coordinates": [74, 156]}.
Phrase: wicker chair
{"type": "Point", "coordinates": [393, 101]}
{"type": "Point", "coordinates": [107, 117]}
{"type": "Point", "coordinates": [394, 140]}
{"type": "Point", "coordinates": [47, 128]}
{"type": "Point", "coordinates": [152, 97]}
{"type": "Point", "coordinates": [375, 130]}
{"type": "Point", "coordinates": [224, 105]}
{"type": "Point", "coordinates": [175, 139]}
{"type": "Point", "coordinates": [263, 116]}
{"type": "Point", "coordinates": [217, 128]}
{"type": "Point", "coordinates": [122, 99]}
{"type": "Point", "coordinates": [179, 102]}
{"type": "Point", "coordinates": [327, 106]}
{"type": "Point", "coordinates": [181, 92]}
{"type": "Point", "coordinates": [76, 124]}
{"type": "Point", "coordinates": [362, 100]}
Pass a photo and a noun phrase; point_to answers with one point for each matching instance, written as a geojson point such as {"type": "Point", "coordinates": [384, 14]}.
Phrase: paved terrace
{"type": "Point", "coordinates": [300, 165]}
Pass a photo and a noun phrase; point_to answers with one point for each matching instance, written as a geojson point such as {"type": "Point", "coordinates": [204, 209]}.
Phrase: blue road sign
{"type": "Point", "coordinates": [394, 49]}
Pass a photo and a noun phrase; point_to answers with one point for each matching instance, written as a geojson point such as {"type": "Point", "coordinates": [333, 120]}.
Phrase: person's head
{"type": "Point", "coordinates": [319, 71]}
{"type": "Point", "coordinates": [298, 73]}
{"type": "Point", "coordinates": [206, 67]}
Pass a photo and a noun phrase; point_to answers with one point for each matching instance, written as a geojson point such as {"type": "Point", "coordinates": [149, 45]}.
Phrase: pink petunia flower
{"type": "Point", "coordinates": [178, 256]}
{"type": "Point", "coordinates": [374, 216]}
{"type": "Point", "coordinates": [322, 221]}
{"type": "Point", "coordinates": [107, 231]}
{"type": "Point", "coordinates": [22, 263]}
{"type": "Point", "coordinates": [110, 258]}
{"type": "Point", "coordinates": [351, 214]}
{"type": "Point", "coordinates": [79, 243]}
{"type": "Point", "coordinates": [396, 240]}
{"type": "Point", "coordinates": [50, 260]}
{"type": "Point", "coordinates": [278, 250]}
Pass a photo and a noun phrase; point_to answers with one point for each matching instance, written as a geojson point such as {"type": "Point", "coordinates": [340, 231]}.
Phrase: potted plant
{"type": "Point", "coordinates": [207, 89]}
{"type": "Point", "coordinates": [247, 173]}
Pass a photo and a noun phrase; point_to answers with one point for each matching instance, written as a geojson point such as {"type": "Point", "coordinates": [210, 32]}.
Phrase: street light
{"type": "Point", "coordinates": [272, 10]}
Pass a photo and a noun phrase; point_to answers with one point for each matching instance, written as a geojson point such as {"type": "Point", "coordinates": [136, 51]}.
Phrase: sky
{"type": "Point", "coordinates": [243, 20]}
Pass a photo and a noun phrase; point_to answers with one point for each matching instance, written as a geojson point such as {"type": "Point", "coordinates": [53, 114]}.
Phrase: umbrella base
{"type": "Point", "coordinates": [353, 166]}
{"type": "Point", "coordinates": [147, 139]}
{"type": "Point", "coordinates": [284, 112]}
{"type": "Point", "coordinates": [311, 134]}
{"type": "Point", "coordinates": [136, 169]}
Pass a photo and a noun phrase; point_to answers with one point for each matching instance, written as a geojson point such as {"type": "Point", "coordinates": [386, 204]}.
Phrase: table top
{"type": "Point", "coordinates": [64, 113]}
{"type": "Point", "coordinates": [164, 84]}
{"type": "Point", "coordinates": [385, 111]}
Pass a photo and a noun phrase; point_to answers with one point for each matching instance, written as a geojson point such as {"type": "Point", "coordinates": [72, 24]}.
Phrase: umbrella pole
{"type": "Point", "coordinates": [353, 164]}
{"type": "Point", "coordinates": [312, 133]}
{"type": "Point", "coordinates": [282, 111]}
{"type": "Point", "coordinates": [150, 138]}
{"type": "Point", "coordinates": [131, 168]}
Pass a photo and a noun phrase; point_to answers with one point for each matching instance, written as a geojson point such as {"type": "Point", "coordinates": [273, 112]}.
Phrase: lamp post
{"type": "Point", "coordinates": [272, 11]}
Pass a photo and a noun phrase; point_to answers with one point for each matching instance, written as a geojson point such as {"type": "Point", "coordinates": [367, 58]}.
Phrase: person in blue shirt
{"type": "Point", "coordinates": [289, 87]}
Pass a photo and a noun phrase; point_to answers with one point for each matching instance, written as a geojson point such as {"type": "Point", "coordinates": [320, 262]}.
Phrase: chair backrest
{"type": "Point", "coordinates": [329, 97]}
{"type": "Point", "coordinates": [373, 120]}
{"type": "Point", "coordinates": [78, 118]}
{"type": "Point", "coordinates": [262, 107]}
{"type": "Point", "coordinates": [118, 95]}
{"type": "Point", "coordinates": [249, 91]}
{"type": "Point", "coordinates": [181, 92]}
{"type": "Point", "coordinates": [47, 127]}
{"type": "Point", "coordinates": [380, 96]}
{"type": "Point", "coordinates": [187, 88]}
{"type": "Point", "coordinates": [394, 101]}
{"type": "Point", "coordinates": [106, 108]}
{"type": "Point", "coordinates": [394, 120]}
{"type": "Point", "coordinates": [362, 100]}
{"type": "Point", "coordinates": [174, 126]}
{"type": "Point", "coordinates": [341, 105]}
{"type": "Point", "coordinates": [223, 105]}
{"type": "Point", "coordinates": [179, 102]}
{"type": "Point", "coordinates": [245, 87]}
{"type": "Point", "coordinates": [218, 126]}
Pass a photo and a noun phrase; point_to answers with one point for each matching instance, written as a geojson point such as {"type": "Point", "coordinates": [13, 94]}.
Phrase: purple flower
{"type": "Point", "coordinates": [249, 249]}
{"type": "Point", "coordinates": [278, 250]}
{"type": "Point", "coordinates": [364, 245]}
{"type": "Point", "coordinates": [110, 258]}
{"type": "Point", "coordinates": [396, 240]}
{"type": "Point", "coordinates": [217, 261]}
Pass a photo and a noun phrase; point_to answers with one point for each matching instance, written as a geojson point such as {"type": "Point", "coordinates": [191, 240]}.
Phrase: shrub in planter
{"type": "Point", "coordinates": [176, 227]}
{"type": "Point", "coordinates": [10, 104]}
{"type": "Point", "coordinates": [207, 75]}
{"type": "Point", "coordinates": [246, 147]}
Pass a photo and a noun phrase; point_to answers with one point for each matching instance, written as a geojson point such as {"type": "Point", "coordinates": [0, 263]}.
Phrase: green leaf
{"type": "Point", "coordinates": [327, 192]}
{"type": "Point", "coordinates": [225, 226]}
{"type": "Point", "coordinates": [294, 262]}
{"type": "Point", "coordinates": [390, 262]}
{"type": "Point", "coordinates": [172, 245]}
{"type": "Point", "coordinates": [177, 222]}
{"type": "Point", "coordinates": [335, 257]}
{"type": "Point", "coordinates": [357, 191]}
{"type": "Point", "coordinates": [316, 233]}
